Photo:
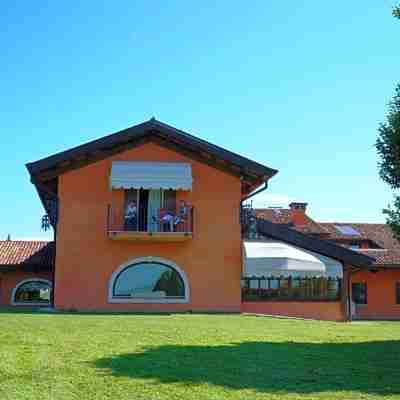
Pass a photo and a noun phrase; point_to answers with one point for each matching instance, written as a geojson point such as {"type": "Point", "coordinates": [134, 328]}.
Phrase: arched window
{"type": "Point", "coordinates": [148, 280]}
{"type": "Point", "coordinates": [32, 292]}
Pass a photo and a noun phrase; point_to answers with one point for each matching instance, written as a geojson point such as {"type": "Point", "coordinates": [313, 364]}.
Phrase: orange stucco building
{"type": "Point", "coordinates": [382, 294]}
{"type": "Point", "coordinates": [152, 219]}
{"type": "Point", "coordinates": [375, 292]}
{"type": "Point", "coordinates": [211, 258]}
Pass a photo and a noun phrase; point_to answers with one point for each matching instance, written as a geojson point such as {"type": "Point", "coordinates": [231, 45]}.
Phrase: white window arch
{"type": "Point", "coordinates": [149, 280]}
{"type": "Point", "coordinates": [32, 292]}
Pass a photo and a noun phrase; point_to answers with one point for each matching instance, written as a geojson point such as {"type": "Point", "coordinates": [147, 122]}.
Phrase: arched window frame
{"type": "Point", "coordinates": [141, 260]}
{"type": "Point", "coordinates": [29, 303]}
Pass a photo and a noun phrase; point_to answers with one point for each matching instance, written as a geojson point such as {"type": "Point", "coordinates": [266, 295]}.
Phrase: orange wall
{"type": "Point", "coordinates": [86, 257]}
{"type": "Point", "coordinates": [330, 311]}
{"type": "Point", "coordinates": [381, 294]}
{"type": "Point", "coordinates": [9, 280]}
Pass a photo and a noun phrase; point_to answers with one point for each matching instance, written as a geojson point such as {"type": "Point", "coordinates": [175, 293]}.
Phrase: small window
{"type": "Point", "coordinates": [34, 292]}
{"type": "Point", "coordinates": [397, 292]}
{"type": "Point", "coordinates": [359, 293]}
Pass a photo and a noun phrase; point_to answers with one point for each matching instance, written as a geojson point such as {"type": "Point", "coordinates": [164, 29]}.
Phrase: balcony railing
{"type": "Point", "coordinates": [150, 224]}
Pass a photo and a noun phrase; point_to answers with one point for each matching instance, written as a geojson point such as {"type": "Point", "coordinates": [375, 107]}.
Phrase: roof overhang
{"type": "Point", "coordinates": [251, 173]}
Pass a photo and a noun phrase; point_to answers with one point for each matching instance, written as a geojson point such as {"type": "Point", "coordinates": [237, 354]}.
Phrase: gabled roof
{"type": "Point", "coordinates": [308, 242]}
{"type": "Point", "coordinates": [23, 253]}
{"type": "Point", "coordinates": [284, 216]}
{"type": "Point", "coordinates": [50, 167]}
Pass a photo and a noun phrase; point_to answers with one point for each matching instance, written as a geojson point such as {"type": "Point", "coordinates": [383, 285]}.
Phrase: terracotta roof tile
{"type": "Point", "coordinates": [284, 216]}
{"type": "Point", "coordinates": [22, 252]}
{"type": "Point", "coordinates": [313, 243]}
{"type": "Point", "coordinates": [380, 234]}
{"type": "Point", "coordinates": [384, 258]}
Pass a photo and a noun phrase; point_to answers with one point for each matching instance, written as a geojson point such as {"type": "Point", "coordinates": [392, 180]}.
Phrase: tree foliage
{"type": "Point", "coordinates": [388, 148]}
{"type": "Point", "coordinates": [396, 11]}
{"type": "Point", "coordinates": [388, 144]}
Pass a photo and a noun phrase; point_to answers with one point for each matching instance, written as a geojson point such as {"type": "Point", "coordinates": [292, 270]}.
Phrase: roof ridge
{"type": "Point", "coordinates": [144, 129]}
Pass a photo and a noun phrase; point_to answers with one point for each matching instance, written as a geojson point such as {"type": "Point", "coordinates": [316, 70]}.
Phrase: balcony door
{"type": "Point", "coordinates": [149, 203]}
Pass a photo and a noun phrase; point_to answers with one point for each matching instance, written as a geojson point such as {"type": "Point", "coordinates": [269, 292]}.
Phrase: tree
{"type": "Point", "coordinates": [396, 11]}
{"type": "Point", "coordinates": [388, 147]}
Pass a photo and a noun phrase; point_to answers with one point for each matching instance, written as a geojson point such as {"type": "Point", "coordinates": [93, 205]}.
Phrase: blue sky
{"type": "Point", "coordinates": [299, 86]}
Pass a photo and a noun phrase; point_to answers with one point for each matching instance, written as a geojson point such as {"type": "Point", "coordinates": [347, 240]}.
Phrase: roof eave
{"type": "Point", "coordinates": [130, 135]}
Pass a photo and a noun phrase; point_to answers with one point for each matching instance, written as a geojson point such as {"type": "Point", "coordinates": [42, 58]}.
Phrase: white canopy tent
{"type": "Point", "coordinates": [151, 175]}
{"type": "Point", "coordinates": [275, 258]}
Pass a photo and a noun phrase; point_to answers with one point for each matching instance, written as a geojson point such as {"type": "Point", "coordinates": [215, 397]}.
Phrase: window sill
{"type": "Point", "coordinates": [115, 300]}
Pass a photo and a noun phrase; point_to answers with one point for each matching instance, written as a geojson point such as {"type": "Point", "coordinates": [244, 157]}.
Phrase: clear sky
{"type": "Point", "coordinates": [300, 86]}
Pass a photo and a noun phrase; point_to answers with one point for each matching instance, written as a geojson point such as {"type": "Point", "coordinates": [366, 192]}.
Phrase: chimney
{"type": "Point", "coordinates": [298, 213]}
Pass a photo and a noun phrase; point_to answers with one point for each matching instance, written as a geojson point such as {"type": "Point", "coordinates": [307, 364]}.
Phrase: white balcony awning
{"type": "Point", "coordinates": [274, 258]}
{"type": "Point", "coordinates": [151, 175]}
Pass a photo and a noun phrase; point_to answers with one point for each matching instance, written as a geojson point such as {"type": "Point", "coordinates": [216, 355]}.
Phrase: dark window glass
{"type": "Point", "coordinates": [291, 288]}
{"type": "Point", "coordinates": [33, 292]}
{"type": "Point", "coordinates": [397, 292]}
{"type": "Point", "coordinates": [359, 293]}
{"type": "Point", "coordinates": [333, 288]}
{"type": "Point", "coordinates": [149, 281]}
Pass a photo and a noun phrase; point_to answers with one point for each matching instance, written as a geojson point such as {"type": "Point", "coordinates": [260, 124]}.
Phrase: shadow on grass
{"type": "Point", "coordinates": [287, 367]}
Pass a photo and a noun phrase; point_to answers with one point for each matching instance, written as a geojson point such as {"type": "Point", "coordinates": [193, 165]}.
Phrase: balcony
{"type": "Point", "coordinates": [150, 225]}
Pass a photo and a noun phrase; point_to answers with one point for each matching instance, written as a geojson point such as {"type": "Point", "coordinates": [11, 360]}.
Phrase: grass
{"type": "Point", "coordinates": [75, 356]}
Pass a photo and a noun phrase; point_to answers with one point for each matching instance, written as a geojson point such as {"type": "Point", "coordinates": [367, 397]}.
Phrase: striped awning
{"type": "Point", "coordinates": [151, 175]}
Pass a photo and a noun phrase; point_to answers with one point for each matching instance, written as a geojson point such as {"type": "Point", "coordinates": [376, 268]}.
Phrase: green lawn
{"type": "Point", "coordinates": [72, 356]}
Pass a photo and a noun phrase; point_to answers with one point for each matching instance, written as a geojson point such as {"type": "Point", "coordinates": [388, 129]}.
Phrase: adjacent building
{"type": "Point", "coordinates": [376, 291]}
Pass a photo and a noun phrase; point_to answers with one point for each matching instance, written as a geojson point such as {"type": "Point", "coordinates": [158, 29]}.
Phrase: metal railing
{"type": "Point", "coordinates": [157, 220]}
{"type": "Point", "coordinates": [248, 221]}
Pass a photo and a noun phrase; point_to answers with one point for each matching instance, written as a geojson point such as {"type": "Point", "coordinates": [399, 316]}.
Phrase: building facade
{"type": "Point", "coordinates": [153, 219]}
{"type": "Point", "coordinates": [375, 293]}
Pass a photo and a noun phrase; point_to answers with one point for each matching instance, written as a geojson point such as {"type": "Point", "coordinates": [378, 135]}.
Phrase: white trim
{"type": "Point", "coordinates": [29, 303]}
{"type": "Point", "coordinates": [149, 259]}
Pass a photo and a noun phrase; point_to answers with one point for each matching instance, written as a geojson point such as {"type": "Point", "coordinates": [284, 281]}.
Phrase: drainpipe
{"type": "Point", "coordinates": [54, 267]}
{"type": "Point", "coordinates": [351, 272]}
{"type": "Point", "coordinates": [254, 193]}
